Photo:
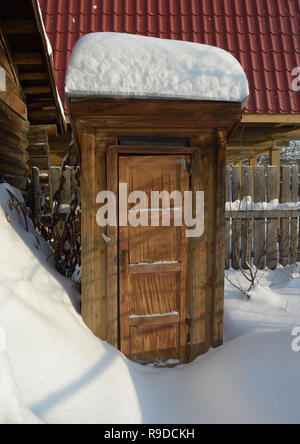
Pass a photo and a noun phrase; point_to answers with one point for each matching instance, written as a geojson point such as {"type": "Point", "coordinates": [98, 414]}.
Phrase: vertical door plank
{"type": "Point", "coordinates": [200, 289]}
{"type": "Point", "coordinates": [112, 255]}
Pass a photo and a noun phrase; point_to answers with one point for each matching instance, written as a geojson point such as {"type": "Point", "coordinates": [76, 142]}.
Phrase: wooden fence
{"type": "Point", "coordinates": [69, 174]}
{"type": "Point", "coordinates": [265, 235]}
{"type": "Point", "coordinates": [46, 185]}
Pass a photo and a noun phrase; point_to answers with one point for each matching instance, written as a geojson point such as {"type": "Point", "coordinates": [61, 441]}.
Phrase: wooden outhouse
{"type": "Point", "coordinates": [151, 291]}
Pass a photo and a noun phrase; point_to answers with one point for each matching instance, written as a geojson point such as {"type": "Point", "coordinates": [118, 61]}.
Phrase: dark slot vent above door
{"type": "Point", "coordinates": [153, 141]}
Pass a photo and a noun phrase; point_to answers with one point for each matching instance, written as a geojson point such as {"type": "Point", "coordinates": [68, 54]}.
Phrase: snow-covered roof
{"type": "Point", "coordinates": [126, 65]}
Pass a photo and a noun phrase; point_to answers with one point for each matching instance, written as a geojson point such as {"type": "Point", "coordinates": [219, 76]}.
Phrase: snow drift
{"type": "Point", "coordinates": [55, 371]}
{"type": "Point", "coordinates": [125, 65]}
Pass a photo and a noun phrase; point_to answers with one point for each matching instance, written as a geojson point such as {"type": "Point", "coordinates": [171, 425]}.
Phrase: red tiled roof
{"type": "Point", "coordinates": [264, 35]}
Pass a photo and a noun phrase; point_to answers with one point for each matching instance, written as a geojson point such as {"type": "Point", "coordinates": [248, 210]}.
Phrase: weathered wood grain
{"type": "Point", "coordinates": [272, 225]}
{"type": "Point", "coordinates": [259, 224]}
{"type": "Point", "coordinates": [285, 196]}
{"type": "Point", "coordinates": [236, 224]}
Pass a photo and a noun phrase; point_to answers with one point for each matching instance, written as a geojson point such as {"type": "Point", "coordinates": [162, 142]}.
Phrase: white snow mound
{"type": "Point", "coordinates": [113, 64]}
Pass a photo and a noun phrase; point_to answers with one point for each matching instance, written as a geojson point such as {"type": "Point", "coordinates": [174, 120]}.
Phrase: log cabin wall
{"type": "Point", "coordinates": [14, 126]}
{"type": "Point", "coordinates": [30, 108]}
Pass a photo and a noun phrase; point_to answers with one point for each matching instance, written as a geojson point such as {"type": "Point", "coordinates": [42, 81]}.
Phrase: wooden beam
{"type": "Point", "coordinates": [253, 161]}
{"type": "Point", "coordinates": [247, 136]}
{"type": "Point", "coordinates": [275, 156]}
{"type": "Point", "coordinates": [33, 76]}
{"type": "Point", "coordinates": [27, 58]}
{"type": "Point", "coordinates": [19, 27]}
{"type": "Point", "coordinates": [292, 119]}
{"type": "Point", "coordinates": [33, 90]}
{"type": "Point", "coordinates": [262, 214]}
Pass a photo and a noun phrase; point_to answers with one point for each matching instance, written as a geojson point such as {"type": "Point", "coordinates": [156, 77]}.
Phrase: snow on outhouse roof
{"type": "Point", "coordinates": [126, 65]}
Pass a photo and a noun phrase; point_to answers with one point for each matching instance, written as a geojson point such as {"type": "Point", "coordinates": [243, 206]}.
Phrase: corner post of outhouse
{"type": "Point", "coordinates": [218, 296]}
{"type": "Point", "coordinates": [94, 250]}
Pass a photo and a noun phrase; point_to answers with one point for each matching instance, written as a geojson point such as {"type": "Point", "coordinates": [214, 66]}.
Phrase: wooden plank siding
{"type": "Point", "coordinates": [118, 274]}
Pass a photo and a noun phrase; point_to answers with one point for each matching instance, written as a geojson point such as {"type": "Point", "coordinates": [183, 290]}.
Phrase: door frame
{"type": "Point", "coordinates": [113, 153]}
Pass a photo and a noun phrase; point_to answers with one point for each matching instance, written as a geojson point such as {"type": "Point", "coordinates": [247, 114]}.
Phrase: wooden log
{"type": "Point", "coordinates": [14, 102]}
{"type": "Point", "coordinates": [236, 224]}
{"type": "Point", "coordinates": [39, 150]}
{"type": "Point", "coordinates": [259, 224]}
{"type": "Point", "coordinates": [246, 225]}
{"type": "Point", "coordinates": [12, 167]}
{"type": "Point", "coordinates": [10, 152]}
{"type": "Point", "coordinates": [12, 138]}
{"type": "Point", "coordinates": [10, 118]}
{"type": "Point", "coordinates": [19, 26]}
{"type": "Point", "coordinates": [41, 116]}
{"type": "Point", "coordinates": [31, 90]}
{"type": "Point", "coordinates": [29, 76]}
{"type": "Point", "coordinates": [272, 224]}
{"type": "Point", "coordinates": [285, 196]}
{"type": "Point", "coordinates": [27, 58]}
{"type": "Point", "coordinates": [41, 163]}
{"type": "Point", "coordinates": [20, 182]}
{"type": "Point", "coordinates": [228, 223]}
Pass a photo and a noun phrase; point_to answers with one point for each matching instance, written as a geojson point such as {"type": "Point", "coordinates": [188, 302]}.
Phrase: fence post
{"type": "Point", "coordinates": [54, 179]}
{"type": "Point", "coordinates": [67, 186]}
{"type": "Point", "coordinates": [36, 195]}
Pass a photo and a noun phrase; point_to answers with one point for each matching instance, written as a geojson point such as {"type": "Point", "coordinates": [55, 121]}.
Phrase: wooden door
{"type": "Point", "coordinates": [154, 308]}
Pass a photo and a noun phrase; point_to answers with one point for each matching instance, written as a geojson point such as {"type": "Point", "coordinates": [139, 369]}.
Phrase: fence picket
{"type": "Point", "coordinates": [257, 232]}
{"type": "Point", "coordinates": [259, 224]}
{"type": "Point", "coordinates": [272, 224]}
{"type": "Point", "coordinates": [246, 224]}
{"type": "Point", "coordinates": [227, 223]}
{"type": "Point", "coordinates": [236, 224]}
{"type": "Point", "coordinates": [285, 196]}
{"type": "Point", "coordinates": [294, 220]}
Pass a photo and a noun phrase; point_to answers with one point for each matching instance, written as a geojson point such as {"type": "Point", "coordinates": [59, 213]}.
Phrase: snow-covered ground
{"type": "Point", "coordinates": [53, 370]}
